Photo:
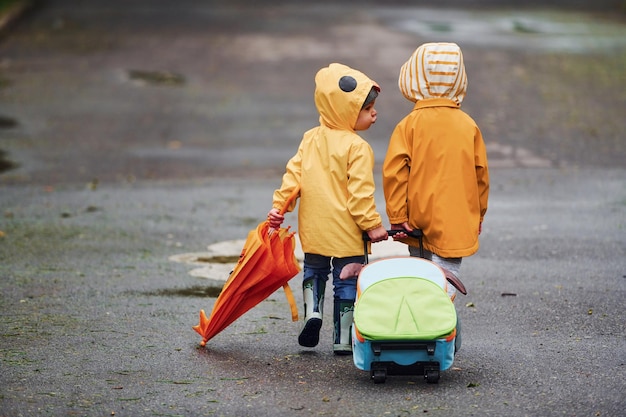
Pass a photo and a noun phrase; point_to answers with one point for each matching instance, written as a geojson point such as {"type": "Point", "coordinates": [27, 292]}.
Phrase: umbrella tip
{"type": "Point", "coordinates": [201, 327]}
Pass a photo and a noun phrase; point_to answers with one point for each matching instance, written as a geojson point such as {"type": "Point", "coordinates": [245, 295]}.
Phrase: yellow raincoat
{"type": "Point", "coordinates": [435, 174]}
{"type": "Point", "coordinates": [334, 167]}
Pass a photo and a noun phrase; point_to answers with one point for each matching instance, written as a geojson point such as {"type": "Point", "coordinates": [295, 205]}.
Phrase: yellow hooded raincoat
{"type": "Point", "coordinates": [334, 167]}
{"type": "Point", "coordinates": [435, 173]}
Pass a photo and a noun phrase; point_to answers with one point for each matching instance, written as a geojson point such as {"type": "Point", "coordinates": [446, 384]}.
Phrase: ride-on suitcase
{"type": "Point", "coordinates": [404, 319]}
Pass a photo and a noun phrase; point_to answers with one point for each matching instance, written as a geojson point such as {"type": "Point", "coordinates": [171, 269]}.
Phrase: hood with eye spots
{"type": "Point", "coordinates": [340, 92]}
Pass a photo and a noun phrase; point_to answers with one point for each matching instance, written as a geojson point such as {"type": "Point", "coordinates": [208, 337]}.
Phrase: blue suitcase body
{"type": "Point", "coordinates": [404, 319]}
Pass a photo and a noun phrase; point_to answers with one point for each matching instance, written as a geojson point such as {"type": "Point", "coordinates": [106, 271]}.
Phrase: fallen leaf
{"type": "Point", "coordinates": [174, 144]}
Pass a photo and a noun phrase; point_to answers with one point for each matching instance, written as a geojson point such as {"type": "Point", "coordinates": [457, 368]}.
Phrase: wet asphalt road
{"type": "Point", "coordinates": [149, 130]}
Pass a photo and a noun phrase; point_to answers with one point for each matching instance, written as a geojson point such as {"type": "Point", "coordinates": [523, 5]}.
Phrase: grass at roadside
{"type": "Point", "coordinates": [6, 6]}
{"type": "Point", "coordinates": [12, 9]}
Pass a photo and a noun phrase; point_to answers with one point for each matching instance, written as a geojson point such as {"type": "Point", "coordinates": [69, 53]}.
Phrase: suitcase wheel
{"type": "Point", "coordinates": [431, 376]}
{"type": "Point", "coordinates": [379, 376]}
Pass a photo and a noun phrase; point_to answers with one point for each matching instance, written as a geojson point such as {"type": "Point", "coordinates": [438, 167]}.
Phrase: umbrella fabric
{"type": "Point", "coordinates": [284, 267]}
{"type": "Point", "coordinates": [267, 262]}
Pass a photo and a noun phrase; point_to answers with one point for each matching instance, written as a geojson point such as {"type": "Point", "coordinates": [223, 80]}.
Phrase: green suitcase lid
{"type": "Point", "coordinates": [404, 308]}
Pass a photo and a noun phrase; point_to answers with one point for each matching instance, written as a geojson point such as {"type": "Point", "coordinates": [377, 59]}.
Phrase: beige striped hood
{"type": "Point", "coordinates": [435, 70]}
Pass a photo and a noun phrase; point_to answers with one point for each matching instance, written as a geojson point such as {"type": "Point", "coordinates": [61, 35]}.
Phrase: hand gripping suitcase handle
{"type": "Point", "coordinates": [415, 233]}
{"type": "Point", "coordinates": [419, 235]}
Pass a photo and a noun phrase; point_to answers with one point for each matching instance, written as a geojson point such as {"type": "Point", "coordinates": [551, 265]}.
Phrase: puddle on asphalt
{"type": "Point", "coordinates": [564, 31]}
{"type": "Point", "coordinates": [218, 259]}
{"type": "Point", "coordinates": [7, 122]}
{"type": "Point", "coordinates": [214, 288]}
{"type": "Point", "coordinates": [212, 291]}
{"type": "Point", "coordinates": [195, 291]}
{"type": "Point", "coordinates": [215, 264]}
{"type": "Point", "coordinates": [543, 31]}
{"type": "Point", "coordinates": [6, 164]}
{"type": "Point", "coordinates": [156, 77]}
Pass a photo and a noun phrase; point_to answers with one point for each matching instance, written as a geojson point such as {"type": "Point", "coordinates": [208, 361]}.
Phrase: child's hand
{"type": "Point", "coordinates": [401, 226]}
{"type": "Point", "coordinates": [378, 234]}
{"type": "Point", "coordinates": [274, 218]}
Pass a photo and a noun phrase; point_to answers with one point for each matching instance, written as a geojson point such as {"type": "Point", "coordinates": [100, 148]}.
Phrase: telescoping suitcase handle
{"type": "Point", "coordinates": [416, 233]}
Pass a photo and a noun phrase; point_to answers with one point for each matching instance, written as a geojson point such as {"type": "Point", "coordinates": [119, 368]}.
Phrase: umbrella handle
{"type": "Point", "coordinates": [294, 194]}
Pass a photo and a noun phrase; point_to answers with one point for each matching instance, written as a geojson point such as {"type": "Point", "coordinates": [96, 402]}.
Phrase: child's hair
{"type": "Point", "coordinates": [370, 97]}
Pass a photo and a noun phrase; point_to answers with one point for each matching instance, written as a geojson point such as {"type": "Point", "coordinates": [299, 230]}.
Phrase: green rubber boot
{"type": "Point", "coordinates": [313, 293]}
{"type": "Point", "coordinates": [342, 317]}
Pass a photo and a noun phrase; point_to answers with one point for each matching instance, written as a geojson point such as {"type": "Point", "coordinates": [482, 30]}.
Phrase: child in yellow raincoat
{"type": "Point", "coordinates": [435, 174]}
{"type": "Point", "coordinates": [334, 167]}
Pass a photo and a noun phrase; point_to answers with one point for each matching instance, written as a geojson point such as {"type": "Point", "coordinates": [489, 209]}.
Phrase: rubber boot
{"type": "Point", "coordinates": [313, 293]}
{"type": "Point", "coordinates": [342, 317]}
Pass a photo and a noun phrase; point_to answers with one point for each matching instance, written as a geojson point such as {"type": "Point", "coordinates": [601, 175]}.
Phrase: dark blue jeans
{"type": "Point", "coordinates": [320, 266]}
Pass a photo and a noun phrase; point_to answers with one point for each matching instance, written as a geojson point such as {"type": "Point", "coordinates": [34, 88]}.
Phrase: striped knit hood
{"type": "Point", "coordinates": [435, 70]}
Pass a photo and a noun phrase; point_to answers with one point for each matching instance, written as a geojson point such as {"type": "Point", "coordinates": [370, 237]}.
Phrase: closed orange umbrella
{"type": "Point", "coordinates": [267, 262]}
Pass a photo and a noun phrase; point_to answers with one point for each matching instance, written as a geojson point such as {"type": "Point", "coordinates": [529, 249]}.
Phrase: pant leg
{"type": "Point", "coordinates": [415, 251]}
{"type": "Point", "coordinates": [316, 266]}
{"type": "Point", "coordinates": [451, 264]}
{"type": "Point", "coordinates": [344, 296]}
{"type": "Point", "coordinates": [345, 289]}
{"type": "Point", "coordinates": [316, 270]}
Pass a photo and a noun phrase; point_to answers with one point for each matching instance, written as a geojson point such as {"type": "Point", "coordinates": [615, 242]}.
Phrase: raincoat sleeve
{"type": "Point", "coordinates": [361, 203]}
{"type": "Point", "coordinates": [482, 172]}
{"type": "Point", "coordinates": [291, 179]}
{"type": "Point", "coordinates": [396, 169]}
